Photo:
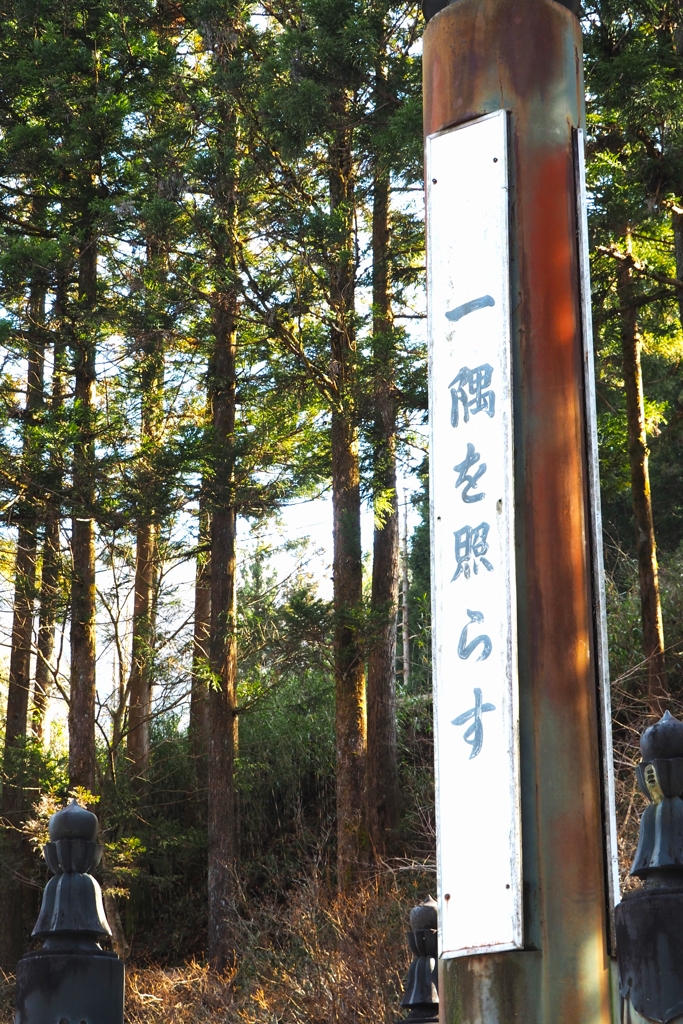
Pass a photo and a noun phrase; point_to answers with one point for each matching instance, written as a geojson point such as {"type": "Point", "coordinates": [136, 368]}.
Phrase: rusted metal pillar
{"type": "Point", "coordinates": [482, 56]}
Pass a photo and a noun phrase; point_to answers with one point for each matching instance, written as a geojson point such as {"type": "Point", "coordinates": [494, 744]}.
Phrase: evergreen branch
{"type": "Point", "coordinates": [323, 381]}
{"type": "Point", "coordinates": [639, 267]}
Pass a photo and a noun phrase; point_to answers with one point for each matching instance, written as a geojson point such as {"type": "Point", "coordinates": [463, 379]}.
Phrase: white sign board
{"type": "Point", "coordinates": [473, 568]}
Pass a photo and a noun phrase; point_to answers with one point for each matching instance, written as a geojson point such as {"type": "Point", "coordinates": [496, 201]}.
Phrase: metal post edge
{"type": "Point", "coordinates": [600, 608]}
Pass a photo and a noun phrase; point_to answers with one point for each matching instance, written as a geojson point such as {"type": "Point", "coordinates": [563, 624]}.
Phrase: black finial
{"type": "Point", "coordinates": [421, 994]}
{"type": "Point", "coordinates": [649, 920]}
{"type": "Point", "coordinates": [73, 822]}
{"type": "Point", "coordinates": [71, 978]}
{"type": "Point", "coordinates": [659, 857]}
{"type": "Point", "coordinates": [72, 911]}
{"type": "Point", "coordinates": [663, 739]}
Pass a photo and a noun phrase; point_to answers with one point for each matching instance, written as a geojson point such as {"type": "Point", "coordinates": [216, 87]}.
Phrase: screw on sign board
{"type": "Point", "coordinates": [473, 573]}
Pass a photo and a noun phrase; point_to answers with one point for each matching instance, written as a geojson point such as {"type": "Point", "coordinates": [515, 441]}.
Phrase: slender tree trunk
{"type": "Point", "coordinates": [405, 610]}
{"type": "Point", "coordinates": [22, 643]}
{"type": "Point", "coordinates": [223, 828]}
{"type": "Point", "coordinates": [382, 766]}
{"type": "Point", "coordinates": [139, 684]}
{"type": "Point", "coordinates": [651, 611]}
{"type": "Point", "coordinates": [348, 565]}
{"type": "Point", "coordinates": [50, 574]}
{"type": "Point", "coordinates": [49, 595]}
{"type": "Point", "coordinates": [223, 833]}
{"type": "Point", "coordinates": [677, 224]}
{"type": "Point", "coordinates": [82, 698]}
{"type": "Point", "coordinates": [119, 942]}
{"type": "Point", "coordinates": [152, 407]}
{"type": "Point", "coordinates": [11, 895]}
{"type": "Point", "coordinates": [199, 697]}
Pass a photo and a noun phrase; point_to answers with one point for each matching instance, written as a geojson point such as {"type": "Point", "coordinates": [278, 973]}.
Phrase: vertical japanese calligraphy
{"type": "Point", "coordinates": [469, 389]}
{"type": "Point", "coordinates": [475, 734]}
{"type": "Point", "coordinates": [473, 573]}
{"type": "Point", "coordinates": [470, 480]}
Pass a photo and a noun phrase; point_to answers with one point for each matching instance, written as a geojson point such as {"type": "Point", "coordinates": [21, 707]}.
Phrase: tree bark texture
{"type": "Point", "coordinates": [222, 810]}
{"type": "Point", "coordinates": [199, 697]}
{"type": "Point", "coordinates": [350, 718]}
{"type": "Point", "coordinates": [49, 597]}
{"type": "Point", "coordinates": [51, 562]}
{"type": "Point", "coordinates": [13, 802]}
{"type": "Point", "coordinates": [20, 655]}
{"type": "Point", "coordinates": [151, 422]}
{"type": "Point", "coordinates": [223, 830]}
{"type": "Point", "coordinates": [140, 689]}
{"type": "Point", "coordinates": [82, 678]}
{"type": "Point", "coordinates": [405, 607]}
{"type": "Point", "coordinates": [381, 765]}
{"type": "Point", "coordinates": [648, 572]}
{"type": "Point", "coordinates": [677, 225]}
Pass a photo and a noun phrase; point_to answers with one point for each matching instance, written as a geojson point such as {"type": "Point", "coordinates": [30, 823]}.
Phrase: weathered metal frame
{"type": "Point", "coordinates": [599, 600]}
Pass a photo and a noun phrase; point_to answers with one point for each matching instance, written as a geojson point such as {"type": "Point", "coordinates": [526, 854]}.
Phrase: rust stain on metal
{"type": "Point", "coordinates": [481, 56]}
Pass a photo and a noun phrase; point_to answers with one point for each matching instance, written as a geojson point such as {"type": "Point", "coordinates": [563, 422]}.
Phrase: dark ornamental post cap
{"type": "Point", "coordinates": [660, 776]}
{"type": "Point", "coordinates": [424, 915]}
{"type": "Point", "coordinates": [72, 900]}
{"type": "Point", "coordinates": [421, 994]}
{"type": "Point", "coordinates": [663, 739]}
{"type": "Point", "coordinates": [73, 822]}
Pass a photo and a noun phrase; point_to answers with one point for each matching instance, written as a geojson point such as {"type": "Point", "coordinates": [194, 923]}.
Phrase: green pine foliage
{"type": "Point", "coordinates": [191, 142]}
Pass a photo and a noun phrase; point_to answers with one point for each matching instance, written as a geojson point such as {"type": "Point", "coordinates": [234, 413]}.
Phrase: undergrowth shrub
{"type": "Point", "coordinates": [317, 958]}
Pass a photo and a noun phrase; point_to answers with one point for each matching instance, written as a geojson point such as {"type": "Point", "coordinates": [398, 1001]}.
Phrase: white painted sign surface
{"type": "Point", "coordinates": [473, 577]}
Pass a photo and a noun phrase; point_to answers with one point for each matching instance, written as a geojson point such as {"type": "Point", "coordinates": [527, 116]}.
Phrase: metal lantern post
{"type": "Point", "coordinates": [525, 803]}
{"type": "Point", "coordinates": [421, 995]}
{"type": "Point", "coordinates": [71, 980]}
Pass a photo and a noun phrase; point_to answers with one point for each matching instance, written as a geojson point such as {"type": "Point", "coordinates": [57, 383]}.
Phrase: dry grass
{"type": "Point", "coordinates": [318, 959]}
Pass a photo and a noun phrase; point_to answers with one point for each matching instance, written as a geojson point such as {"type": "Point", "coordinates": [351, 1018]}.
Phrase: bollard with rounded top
{"type": "Point", "coordinates": [421, 990]}
{"type": "Point", "coordinates": [71, 979]}
{"type": "Point", "coordinates": [649, 920]}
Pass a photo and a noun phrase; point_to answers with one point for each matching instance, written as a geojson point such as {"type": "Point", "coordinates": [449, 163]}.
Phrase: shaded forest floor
{"type": "Point", "coordinates": [317, 958]}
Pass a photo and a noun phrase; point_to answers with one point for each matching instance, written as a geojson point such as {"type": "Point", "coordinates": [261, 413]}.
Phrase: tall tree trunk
{"type": "Point", "coordinates": [381, 765]}
{"type": "Point", "coordinates": [11, 896]}
{"type": "Point", "coordinates": [139, 683]}
{"type": "Point", "coordinates": [222, 812]}
{"type": "Point", "coordinates": [405, 610]}
{"type": "Point", "coordinates": [677, 224]}
{"type": "Point", "coordinates": [651, 610]}
{"type": "Point", "coordinates": [152, 407]}
{"type": "Point", "coordinates": [223, 828]}
{"type": "Point", "coordinates": [82, 698]}
{"type": "Point", "coordinates": [49, 596]}
{"type": "Point", "coordinates": [50, 573]}
{"type": "Point", "coordinates": [348, 566]}
{"type": "Point", "coordinates": [199, 697]}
